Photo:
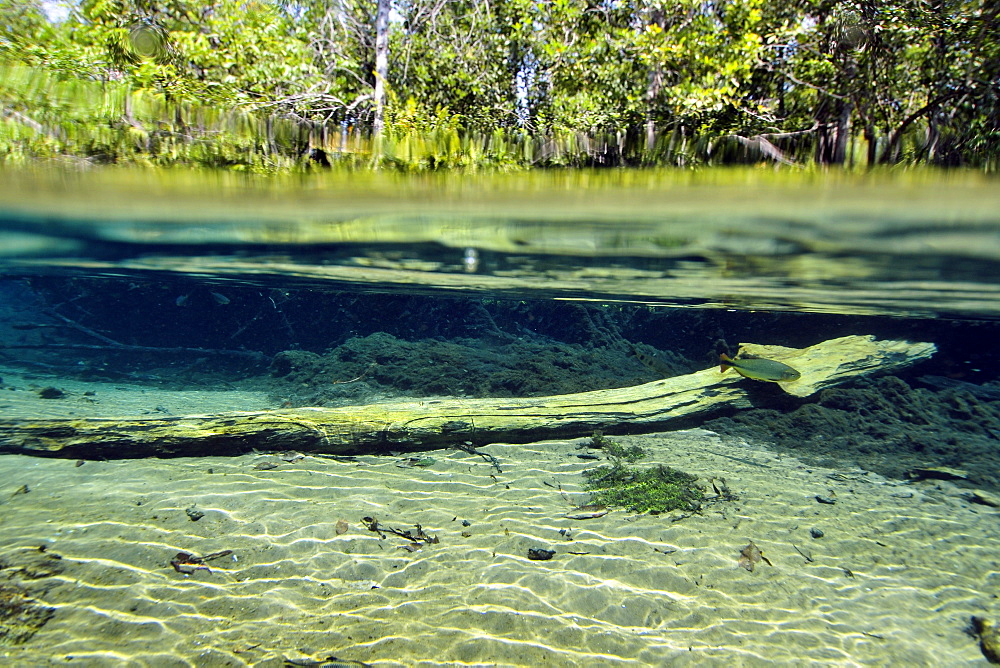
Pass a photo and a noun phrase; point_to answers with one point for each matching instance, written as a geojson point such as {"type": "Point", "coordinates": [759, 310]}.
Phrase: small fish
{"type": "Point", "coordinates": [586, 512]}
{"type": "Point", "coordinates": [220, 298]}
{"type": "Point", "coordinates": [759, 368]}
{"type": "Point", "coordinates": [654, 363]}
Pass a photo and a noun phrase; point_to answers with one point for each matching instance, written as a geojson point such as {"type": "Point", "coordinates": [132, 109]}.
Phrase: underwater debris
{"type": "Point", "coordinates": [937, 473]}
{"type": "Point", "coordinates": [467, 446]}
{"type": "Point", "coordinates": [721, 489]}
{"type": "Point", "coordinates": [989, 637]}
{"type": "Point", "coordinates": [20, 615]}
{"type": "Point", "coordinates": [187, 563]}
{"type": "Point", "coordinates": [266, 465]}
{"type": "Point", "coordinates": [540, 554]}
{"type": "Point", "coordinates": [750, 556]}
{"type": "Point", "coordinates": [193, 513]}
{"type": "Point", "coordinates": [327, 662]}
{"type": "Point", "coordinates": [805, 555]}
{"type": "Point", "coordinates": [416, 461]}
{"type": "Point", "coordinates": [373, 525]}
{"type": "Point", "coordinates": [587, 512]}
{"type": "Point", "coordinates": [356, 378]}
{"type": "Point", "coordinates": [983, 498]}
{"type": "Point", "coordinates": [341, 527]}
{"type": "Point", "coordinates": [51, 393]}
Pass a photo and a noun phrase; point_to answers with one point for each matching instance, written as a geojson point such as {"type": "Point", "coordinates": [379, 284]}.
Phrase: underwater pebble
{"type": "Point", "coordinates": [816, 533]}
{"type": "Point", "coordinates": [989, 638]}
{"type": "Point", "coordinates": [984, 498]}
{"type": "Point", "coordinates": [829, 500]}
{"type": "Point", "coordinates": [540, 554]}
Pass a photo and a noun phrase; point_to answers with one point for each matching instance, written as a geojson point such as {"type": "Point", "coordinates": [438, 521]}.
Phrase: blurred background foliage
{"type": "Point", "coordinates": [273, 85]}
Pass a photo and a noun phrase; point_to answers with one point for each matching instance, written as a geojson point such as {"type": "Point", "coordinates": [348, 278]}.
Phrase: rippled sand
{"type": "Point", "coordinates": [893, 581]}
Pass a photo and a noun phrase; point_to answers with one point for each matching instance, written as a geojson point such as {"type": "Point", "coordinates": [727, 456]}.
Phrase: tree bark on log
{"type": "Point", "coordinates": [438, 423]}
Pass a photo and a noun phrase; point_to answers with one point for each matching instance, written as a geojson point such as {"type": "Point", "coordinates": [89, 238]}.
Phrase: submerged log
{"type": "Point", "coordinates": [437, 423]}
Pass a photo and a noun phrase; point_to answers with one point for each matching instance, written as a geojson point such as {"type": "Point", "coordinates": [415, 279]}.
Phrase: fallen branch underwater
{"type": "Point", "coordinates": [438, 423]}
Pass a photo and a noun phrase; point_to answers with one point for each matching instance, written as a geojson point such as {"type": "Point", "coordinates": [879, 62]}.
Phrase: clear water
{"type": "Point", "coordinates": [159, 296]}
{"type": "Point", "coordinates": [921, 244]}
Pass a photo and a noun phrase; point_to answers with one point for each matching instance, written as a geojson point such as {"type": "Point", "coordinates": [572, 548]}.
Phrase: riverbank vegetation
{"type": "Point", "coordinates": [269, 85]}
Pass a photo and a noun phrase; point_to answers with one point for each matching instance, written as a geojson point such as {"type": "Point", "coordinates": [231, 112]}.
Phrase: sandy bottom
{"type": "Point", "coordinates": [893, 580]}
{"type": "Point", "coordinates": [20, 398]}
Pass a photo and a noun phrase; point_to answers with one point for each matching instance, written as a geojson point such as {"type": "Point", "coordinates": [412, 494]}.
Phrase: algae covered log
{"type": "Point", "coordinates": [832, 362]}
{"type": "Point", "coordinates": [422, 425]}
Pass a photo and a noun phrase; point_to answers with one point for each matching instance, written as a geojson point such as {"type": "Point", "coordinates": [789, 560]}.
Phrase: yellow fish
{"type": "Point", "coordinates": [759, 368]}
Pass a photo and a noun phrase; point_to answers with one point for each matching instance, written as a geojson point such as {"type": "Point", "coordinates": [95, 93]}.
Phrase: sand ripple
{"type": "Point", "coordinates": [893, 581]}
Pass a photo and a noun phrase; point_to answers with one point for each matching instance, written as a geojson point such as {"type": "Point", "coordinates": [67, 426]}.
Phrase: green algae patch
{"type": "Point", "coordinates": [658, 489]}
{"type": "Point", "coordinates": [20, 616]}
{"type": "Point", "coordinates": [652, 490]}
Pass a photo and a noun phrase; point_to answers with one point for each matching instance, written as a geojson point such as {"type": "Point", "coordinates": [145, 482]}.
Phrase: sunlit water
{"type": "Point", "coordinates": [163, 295]}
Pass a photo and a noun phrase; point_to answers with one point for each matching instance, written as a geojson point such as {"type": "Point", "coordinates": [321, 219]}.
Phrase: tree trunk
{"type": "Point", "coordinates": [653, 86]}
{"type": "Point", "coordinates": [381, 63]}
{"type": "Point", "coordinates": [843, 134]}
{"type": "Point", "coordinates": [439, 423]}
{"type": "Point", "coordinates": [872, 138]}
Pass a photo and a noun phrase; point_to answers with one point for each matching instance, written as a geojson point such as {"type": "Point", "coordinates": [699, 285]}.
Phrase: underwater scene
{"type": "Point", "coordinates": [590, 418]}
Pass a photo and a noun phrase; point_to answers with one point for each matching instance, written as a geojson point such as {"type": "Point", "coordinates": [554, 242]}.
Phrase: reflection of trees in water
{"type": "Point", "coordinates": [511, 82]}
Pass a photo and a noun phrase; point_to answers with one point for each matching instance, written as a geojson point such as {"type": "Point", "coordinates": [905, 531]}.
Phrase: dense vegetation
{"type": "Point", "coordinates": [268, 84]}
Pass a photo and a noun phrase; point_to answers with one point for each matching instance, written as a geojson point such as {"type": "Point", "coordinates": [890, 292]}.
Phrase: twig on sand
{"type": "Point", "coordinates": [467, 446]}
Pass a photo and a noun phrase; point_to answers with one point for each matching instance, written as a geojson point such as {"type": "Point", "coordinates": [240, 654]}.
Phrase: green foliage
{"type": "Point", "coordinates": [50, 117]}
{"type": "Point", "coordinates": [21, 22]}
{"type": "Point", "coordinates": [505, 84]}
